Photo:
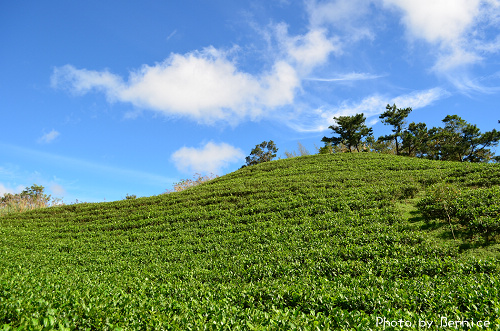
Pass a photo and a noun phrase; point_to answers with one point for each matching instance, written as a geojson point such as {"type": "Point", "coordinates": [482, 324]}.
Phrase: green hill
{"type": "Point", "coordinates": [315, 242]}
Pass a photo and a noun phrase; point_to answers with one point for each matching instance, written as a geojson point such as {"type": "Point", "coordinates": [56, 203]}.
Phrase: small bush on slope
{"type": "Point", "coordinates": [477, 210]}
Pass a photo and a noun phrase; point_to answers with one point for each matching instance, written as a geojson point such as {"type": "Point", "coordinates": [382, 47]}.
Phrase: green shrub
{"type": "Point", "coordinates": [438, 202]}
{"type": "Point", "coordinates": [409, 191]}
{"type": "Point", "coordinates": [477, 210]}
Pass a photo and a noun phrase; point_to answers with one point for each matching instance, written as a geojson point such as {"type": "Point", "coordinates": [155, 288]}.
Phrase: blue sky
{"type": "Point", "coordinates": [100, 99]}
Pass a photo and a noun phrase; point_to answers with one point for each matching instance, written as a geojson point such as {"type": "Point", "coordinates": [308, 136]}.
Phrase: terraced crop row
{"type": "Point", "coordinates": [312, 242]}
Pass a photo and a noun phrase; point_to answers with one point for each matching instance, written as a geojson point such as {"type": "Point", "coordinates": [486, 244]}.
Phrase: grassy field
{"type": "Point", "coordinates": [309, 243]}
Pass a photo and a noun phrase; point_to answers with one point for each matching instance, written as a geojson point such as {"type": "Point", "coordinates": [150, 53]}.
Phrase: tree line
{"type": "Point", "coordinates": [456, 140]}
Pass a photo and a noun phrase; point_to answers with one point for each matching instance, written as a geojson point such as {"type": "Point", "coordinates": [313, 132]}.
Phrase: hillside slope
{"type": "Point", "coordinates": [327, 241]}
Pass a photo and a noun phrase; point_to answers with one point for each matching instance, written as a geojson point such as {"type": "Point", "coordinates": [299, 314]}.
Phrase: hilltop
{"type": "Point", "coordinates": [327, 241]}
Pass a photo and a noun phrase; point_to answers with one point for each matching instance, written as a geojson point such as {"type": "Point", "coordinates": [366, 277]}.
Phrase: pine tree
{"type": "Point", "coordinates": [397, 118]}
{"type": "Point", "coordinates": [351, 131]}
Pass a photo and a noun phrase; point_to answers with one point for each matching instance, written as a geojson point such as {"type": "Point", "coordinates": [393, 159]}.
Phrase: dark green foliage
{"type": "Point", "coordinates": [479, 210]}
{"type": "Point", "coordinates": [460, 141]}
{"type": "Point", "coordinates": [379, 146]}
{"type": "Point", "coordinates": [476, 210]}
{"type": "Point", "coordinates": [415, 139]}
{"type": "Point", "coordinates": [351, 131]}
{"type": "Point", "coordinates": [264, 152]}
{"type": "Point", "coordinates": [438, 201]}
{"type": "Point", "coordinates": [310, 243]}
{"type": "Point", "coordinates": [396, 117]}
{"type": "Point", "coordinates": [456, 141]}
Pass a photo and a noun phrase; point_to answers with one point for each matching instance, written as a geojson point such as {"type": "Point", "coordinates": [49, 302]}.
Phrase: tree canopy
{"type": "Point", "coordinates": [457, 140]}
{"type": "Point", "coordinates": [397, 118]}
{"type": "Point", "coordinates": [461, 141]}
{"type": "Point", "coordinates": [351, 131]}
{"type": "Point", "coordinates": [264, 152]}
{"type": "Point", "coordinates": [415, 139]}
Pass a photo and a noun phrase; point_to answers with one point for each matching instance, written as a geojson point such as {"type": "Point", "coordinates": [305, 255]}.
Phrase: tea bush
{"type": "Point", "coordinates": [477, 210]}
{"type": "Point", "coordinates": [439, 201]}
{"type": "Point", "coordinates": [309, 243]}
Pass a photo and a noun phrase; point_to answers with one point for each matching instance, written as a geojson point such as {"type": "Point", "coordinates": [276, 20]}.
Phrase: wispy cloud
{"type": "Point", "coordinates": [320, 119]}
{"type": "Point", "coordinates": [457, 32]}
{"type": "Point", "coordinates": [81, 81]}
{"type": "Point", "coordinates": [419, 99]}
{"type": "Point", "coordinates": [210, 158]}
{"type": "Point", "coordinates": [87, 166]}
{"type": "Point", "coordinates": [346, 16]}
{"type": "Point", "coordinates": [470, 86]}
{"type": "Point", "coordinates": [306, 52]}
{"type": "Point", "coordinates": [455, 29]}
{"type": "Point", "coordinates": [353, 76]}
{"type": "Point", "coordinates": [48, 137]}
{"type": "Point", "coordinates": [173, 33]}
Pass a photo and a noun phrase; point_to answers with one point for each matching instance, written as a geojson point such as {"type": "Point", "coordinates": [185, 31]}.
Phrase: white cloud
{"type": "Point", "coordinates": [279, 86]}
{"type": "Point", "coordinates": [307, 51]}
{"type": "Point", "coordinates": [321, 119]}
{"type": "Point", "coordinates": [205, 86]}
{"type": "Point", "coordinates": [198, 85]}
{"type": "Point", "coordinates": [336, 12]}
{"type": "Point", "coordinates": [4, 190]}
{"type": "Point", "coordinates": [455, 58]}
{"type": "Point", "coordinates": [457, 32]}
{"type": "Point", "coordinates": [437, 20]}
{"type": "Point", "coordinates": [48, 137]}
{"type": "Point", "coordinates": [454, 27]}
{"type": "Point", "coordinates": [210, 158]}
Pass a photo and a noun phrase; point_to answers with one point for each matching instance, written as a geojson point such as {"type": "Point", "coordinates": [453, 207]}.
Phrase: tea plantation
{"type": "Point", "coordinates": [321, 242]}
